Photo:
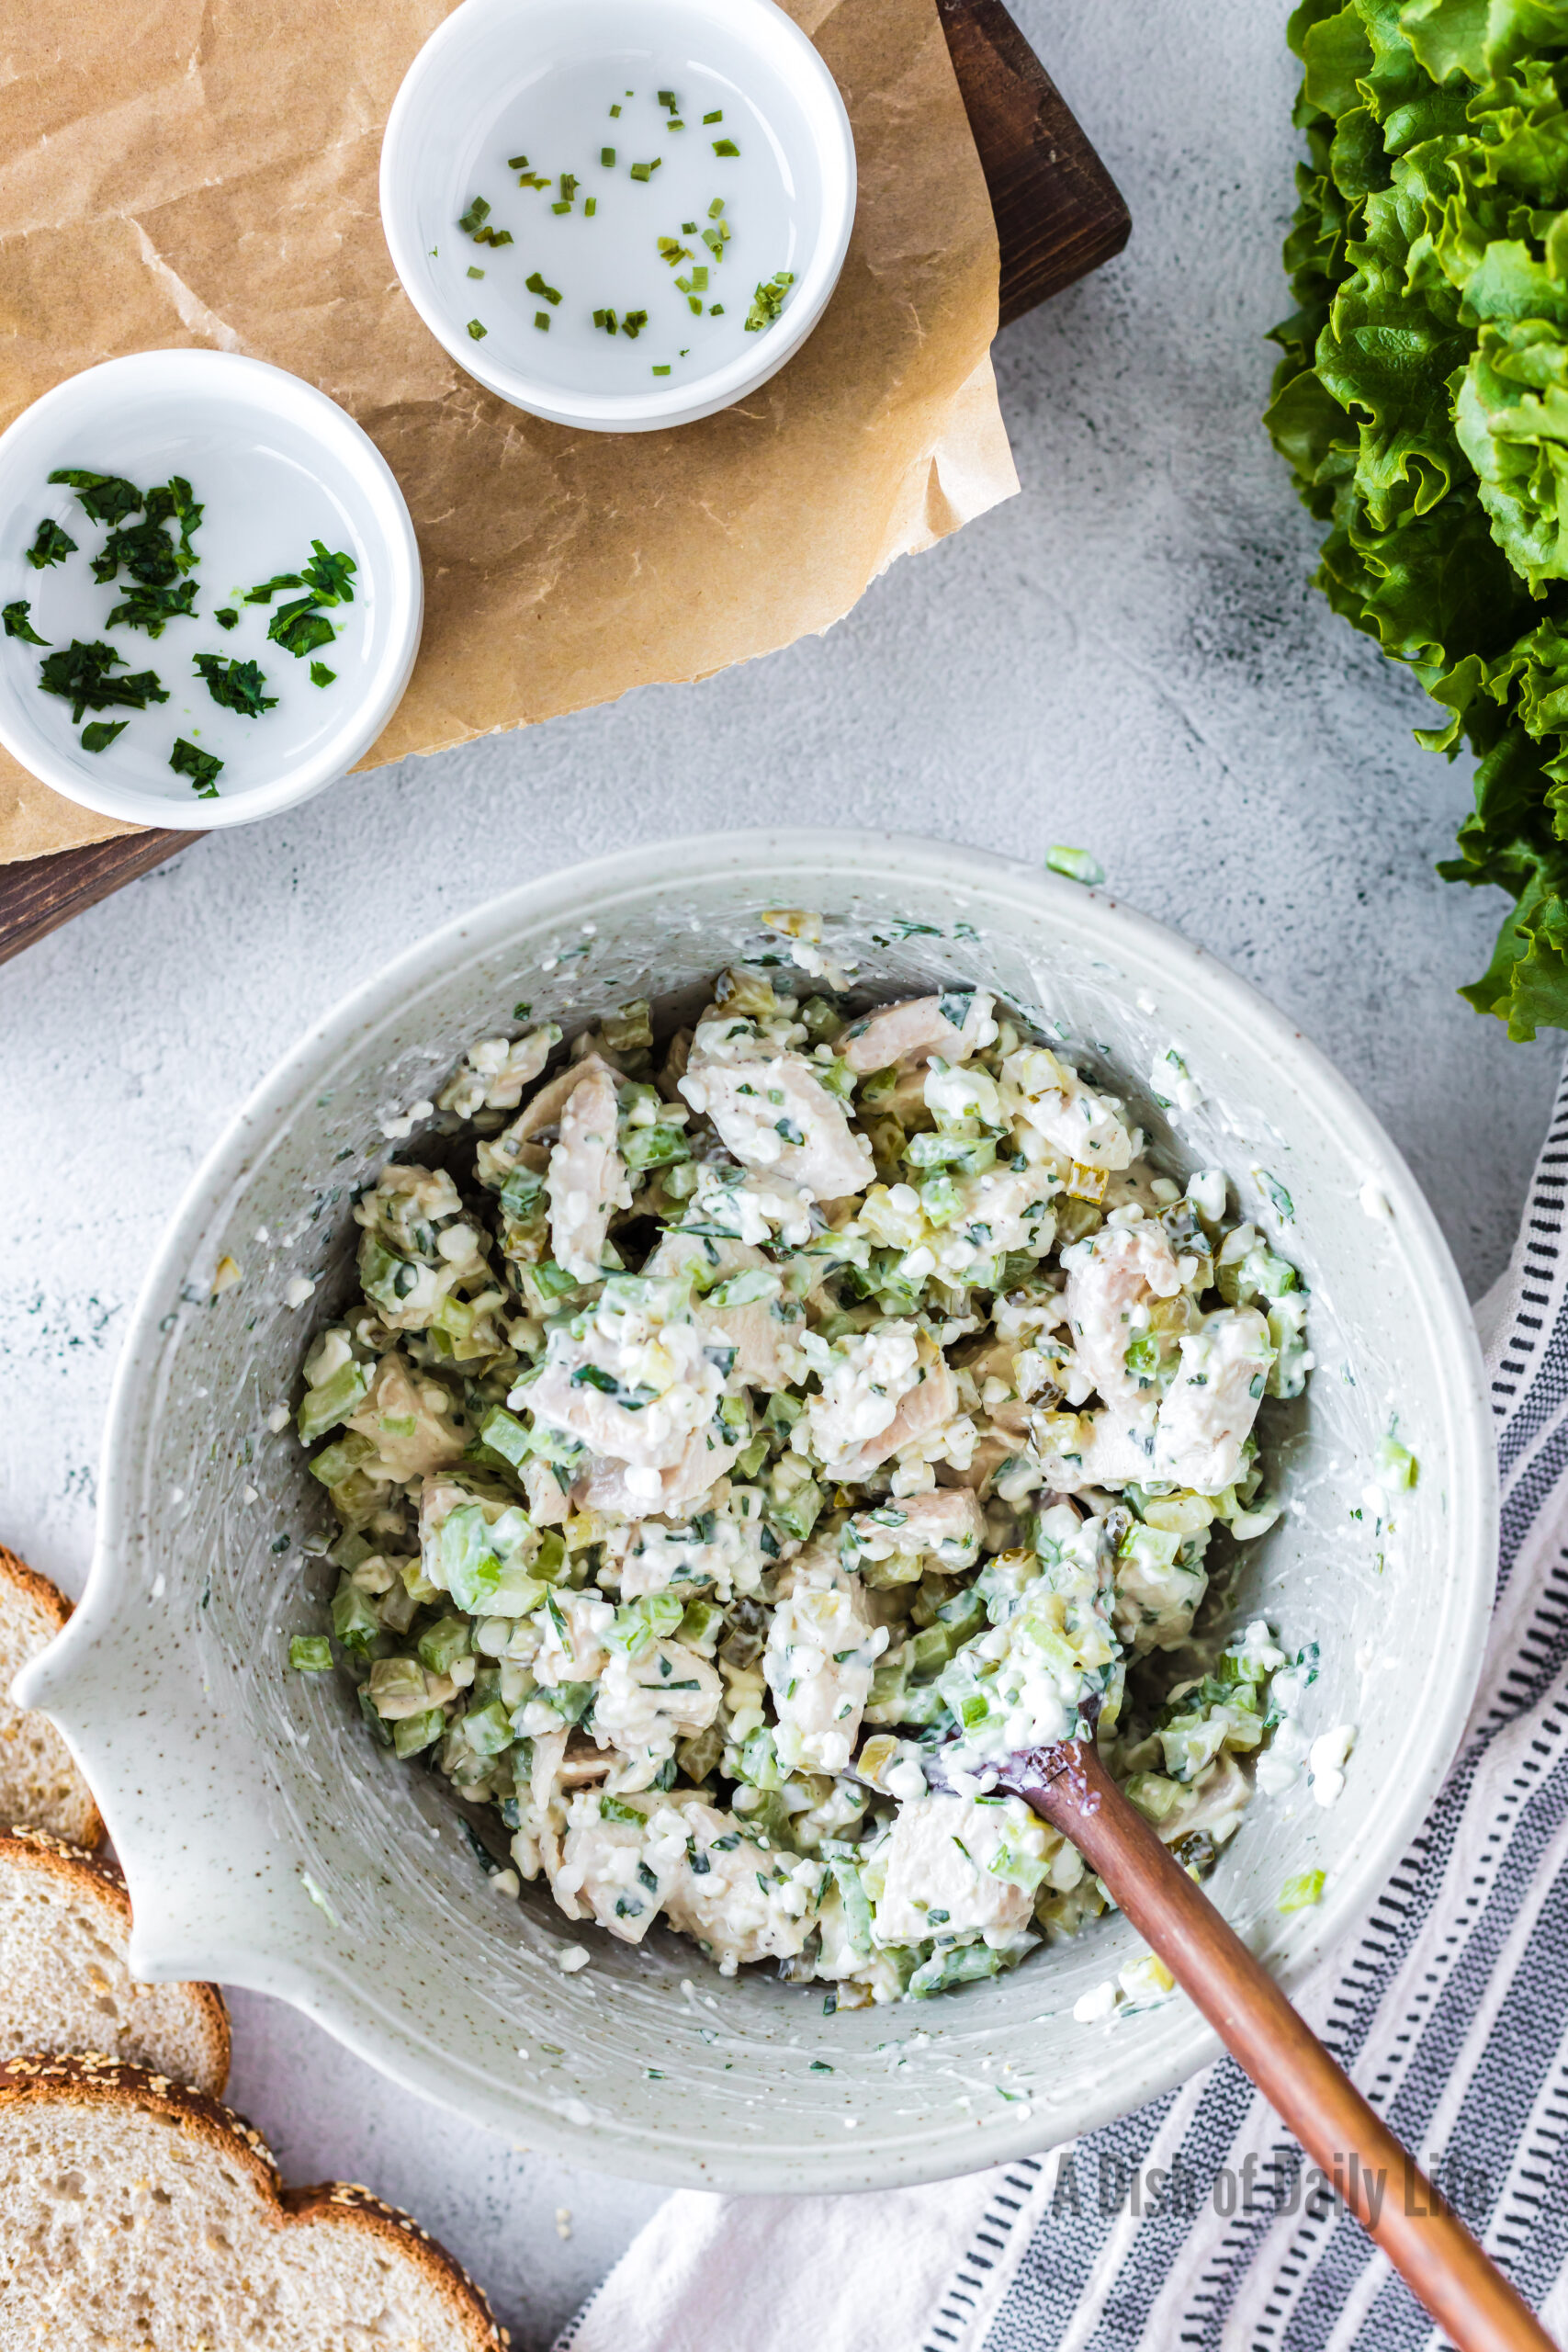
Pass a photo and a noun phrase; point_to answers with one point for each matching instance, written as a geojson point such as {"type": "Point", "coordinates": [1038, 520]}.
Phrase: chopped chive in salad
{"type": "Point", "coordinates": [716, 116]}
{"type": "Point", "coordinates": [535, 284]}
{"type": "Point", "coordinates": [474, 271]}
{"type": "Point", "coordinates": [590, 207]}
{"type": "Point", "coordinates": [725, 147]}
{"type": "Point", "coordinates": [607, 157]}
{"type": "Point", "coordinates": [686, 1523]}
{"type": "Point", "coordinates": [662, 371]}
{"type": "Point", "coordinates": [646, 171]}
{"type": "Point", "coordinates": [203, 768]}
{"type": "Point", "coordinates": [541, 321]}
{"type": "Point", "coordinates": [478, 331]}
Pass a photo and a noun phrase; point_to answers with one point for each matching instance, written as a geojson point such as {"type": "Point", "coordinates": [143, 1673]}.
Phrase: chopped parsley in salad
{"type": "Point", "coordinates": [729, 1422]}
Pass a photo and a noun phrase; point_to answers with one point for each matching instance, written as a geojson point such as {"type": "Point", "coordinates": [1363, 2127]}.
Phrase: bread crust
{"type": "Point", "coordinates": [103, 2085]}
{"type": "Point", "coordinates": [101, 1885]}
{"type": "Point", "coordinates": [22, 1588]}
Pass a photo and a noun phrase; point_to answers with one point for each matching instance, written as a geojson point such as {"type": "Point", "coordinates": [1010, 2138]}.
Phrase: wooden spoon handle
{"type": "Point", "coordinates": [1378, 2181]}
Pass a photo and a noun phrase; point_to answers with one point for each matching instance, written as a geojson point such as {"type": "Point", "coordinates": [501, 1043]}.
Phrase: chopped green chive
{"type": "Point", "coordinates": [716, 207]}
{"type": "Point", "coordinates": [716, 116]}
{"type": "Point", "coordinates": [688, 228]}
{"type": "Point", "coordinates": [226, 616]}
{"type": "Point", "coordinates": [768, 301]}
{"type": "Point", "coordinates": [202, 768]}
{"type": "Point", "coordinates": [658, 371]}
{"type": "Point", "coordinates": [725, 147]}
{"type": "Point", "coordinates": [102, 732]}
{"type": "Point", "coordinates": [478, 331]}
{"type": "Point", "coordinates": [18, 623]}
{"type": "Point", "coordinates": [615, 111]}
{"type": "Point", "coordinates": [321, 676]}
{"type": "Point", "coordinates": [474, 217]}
{"type": "Point", "coordinates": [564, 205]}
{"type": "Point", "coordinates": [590, 207]}
{"type": "Point", "coordinates": [517, 163]}
{"type": "Point", "coordinates": [535, 284]}
{"type": "Point", "coordinates": [695, 304]}
{"type": "Point", "coordinates": [569, 185]}
{"type": "Point", "coordinates": [52, 545]}
{"type": "Point", "coordinates": [532, 179]}
{"type": "Point", "coordinates": [310, 1654]}
{"type": "Point", "coordinates": [607, 157]}
{"type": "Point", "coordinates": [716, 310]}
{"type": "Point", "coordinates": [674, 123]}
{"type": "Point", "coordinates": [541, 321]}
{"type": "Point", "coordinates": [474, 272]}
{"type": "Point", "coordinates": [646, 171]}
{"type": "Point", "coordinates": [700, 280]}
{"type": "Point", "coordinates": [633, 323]}
{"type": "Point", "coordinates": [605, 319]}
{"type": "Point", "coordinates": [667, 99]}
{"type": "Point", "coordinates": [672, 251]}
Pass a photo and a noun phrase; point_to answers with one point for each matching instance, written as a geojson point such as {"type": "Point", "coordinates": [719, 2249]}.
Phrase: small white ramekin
{"type": "Point", "coordinates": [470, 70]}
{"type": "Point", "coordinates": [237, 429]}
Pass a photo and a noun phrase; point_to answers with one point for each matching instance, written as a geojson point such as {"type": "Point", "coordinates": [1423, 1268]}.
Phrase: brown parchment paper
{"type": "Point", "coordinates": [178, 172]}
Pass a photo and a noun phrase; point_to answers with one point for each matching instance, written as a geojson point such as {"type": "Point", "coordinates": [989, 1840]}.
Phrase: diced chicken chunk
{"type": "Point", "coordinates": [947, 1521]}
{"type": "Point", "coordinates": [1157, 1602]}
{"type": "Point", "coordinates": [821, 1650]}
{"type": "Point", "coordinates": [620, 1872]}
{"type": "Point", "coordinates": [924, 1408]}
{"type": "Point", "coordinates": [1111, 1280]}
{"type": "Point", "coordinates": [931, 1868]}
{"type": "Point", "coordinates": [1074, 1119]}
{"type": "Point", "coordinates": [541, 1114]}
{"type": "Point", "coordinates": [493, 1072]}
{"type": "Point", "coordinates": [587, 1179]}
{"type": "Point", "coordinates": [776, 1113]}
{"type": "Point", "coordinates": [611, 1486]}
{"type": "Point", "coordinates": [408, 1421]}
{"type": "Point", "coordinates": [762, 1331]}
{"type": "Point", "coordinates": [1212, 1402]}
{"type": "Point", "coordinates": [634, 1392]}
{"type": "Point", "coordinates": [645, 1704]}
{"type": "Point", "coordinates": [741, 1903]}
{"type": "Point", "coordinates": [573, 1650]}
{"type": "Point", "coordinates": [914, 1031]}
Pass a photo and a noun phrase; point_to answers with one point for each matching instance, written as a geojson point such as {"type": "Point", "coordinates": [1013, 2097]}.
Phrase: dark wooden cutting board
{"type": "Point", "coordinates": [1058, 216]}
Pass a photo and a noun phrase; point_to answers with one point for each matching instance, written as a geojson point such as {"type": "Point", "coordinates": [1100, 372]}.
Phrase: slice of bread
{"type": "Point", "coordinates": [134, 2213]}
{"type": "Point", "coordinates": [39, 1785]}
{"type": "Point", "coordinates": [64, 1985]}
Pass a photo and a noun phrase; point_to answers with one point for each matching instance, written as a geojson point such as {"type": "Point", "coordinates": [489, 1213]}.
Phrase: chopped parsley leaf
{"type": "Point", "coordinates": [235, 685]}
{"type": "Point", "coordinates": [226, 616]}
{"type": "Point", "coordinates": [52, 545]}
{"type": "Point", "coordinates": [107, 498]}
{"type": "Point", "coordinates": [202, 768]}
{"type": "Point", "coordinates": [79, 675]}
{"type": "Point", "coordinates": [321, 676]}
{"type": "Point", "coordinates": [149, 609]}
{"type": "Point", "coordinates": [15, 617]}
{"type": "Point", "coordinates": [99, 733]}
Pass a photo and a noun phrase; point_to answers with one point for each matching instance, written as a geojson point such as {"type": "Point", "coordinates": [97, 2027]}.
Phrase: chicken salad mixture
{"type": "Point", "coordinates": [740, 1443]}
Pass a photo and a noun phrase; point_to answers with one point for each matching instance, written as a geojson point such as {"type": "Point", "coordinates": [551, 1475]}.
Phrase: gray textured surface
{"type": "Point", "coordinates": [1127, 657]}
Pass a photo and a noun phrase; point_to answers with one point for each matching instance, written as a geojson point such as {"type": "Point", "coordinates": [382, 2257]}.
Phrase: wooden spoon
{"type": "Point", "coordinates": [1393, 2202]}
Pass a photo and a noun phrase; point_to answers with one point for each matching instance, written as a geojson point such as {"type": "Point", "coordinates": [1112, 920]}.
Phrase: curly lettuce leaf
{"type": "Point", "coordinates": [1421, 403]}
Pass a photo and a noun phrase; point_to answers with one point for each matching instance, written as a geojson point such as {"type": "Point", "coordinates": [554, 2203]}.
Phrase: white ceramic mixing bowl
{"type": "Point", "coordinates": [268, 1843]}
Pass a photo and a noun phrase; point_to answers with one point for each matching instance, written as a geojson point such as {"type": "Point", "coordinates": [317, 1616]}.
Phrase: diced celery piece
{"type": "Point", "coordinates": [939, 1198]}
{"type": "Point", "coordinates": [962, 1964]}
{"type": "Point", "coordinates": [639, 1623]}
{"type": "Point", "coordinates": [798, 1509]}
{"type": "Point", "coordinates": [656, 1146]}
{"type": "Point", "coordinates": [336, 1462]}
{"type": "Point", "coordinates": [354, 1621]}
{"type": "Point", "coordinates": [413, 1733]}
{"type": "Point", "coordinates": [322, 1409]}
{"type": "Point", "coordinates": [759, 1761]}
{"type": "Point", "coordinates": [1299, 1894]}
{"type": "Point", "coordinates": [701, 1625]}
{"type": "Point", "coordinates": [522, 1193]}
{"type": "Point", "coordinates": [310, 1654]}
{"type": "Point", "coordinates": [441, 1644]}
{"type": "Point", "coordinates": [752, 1456]}
{"type": "Point", "coordinates": [388, 1279]}
{"type": "Point", "coordinates": [488, 1729]}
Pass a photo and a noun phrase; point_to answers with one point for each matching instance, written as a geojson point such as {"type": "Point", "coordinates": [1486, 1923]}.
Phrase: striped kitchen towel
{"type": "Point", "coordinates": [1195, 2221]}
